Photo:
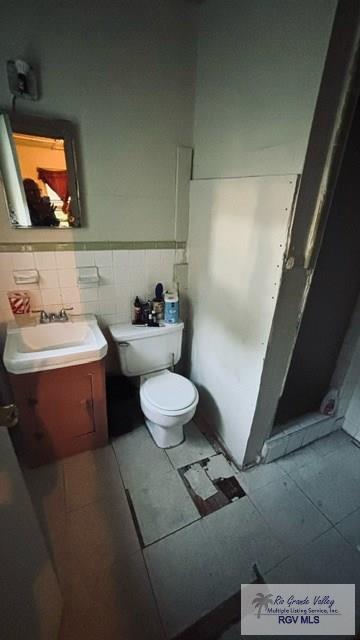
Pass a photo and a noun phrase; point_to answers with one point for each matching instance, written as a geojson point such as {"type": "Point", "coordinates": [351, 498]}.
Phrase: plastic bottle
{"type": "Point", "coordinates": [171, 299]}
{"type": "Point", "coordinates": [137, 311]}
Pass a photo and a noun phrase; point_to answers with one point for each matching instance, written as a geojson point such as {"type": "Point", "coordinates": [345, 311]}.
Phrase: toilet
{"type": "Point", "coordinates": [168, 400]}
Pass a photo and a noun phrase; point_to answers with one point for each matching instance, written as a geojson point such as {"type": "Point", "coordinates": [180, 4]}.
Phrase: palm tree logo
{"type": "Point", "coordinates": [261, 601]}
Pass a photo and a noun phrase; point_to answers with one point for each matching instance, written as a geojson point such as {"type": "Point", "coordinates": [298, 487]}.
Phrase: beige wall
{"type": "Point", "coordinates": [125, 75]}
{"type": "Point", "coordinates": [259, 68]}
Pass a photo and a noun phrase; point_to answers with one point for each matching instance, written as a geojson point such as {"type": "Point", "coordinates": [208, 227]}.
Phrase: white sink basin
{"type": "Point", "coordinates": [38, 347]}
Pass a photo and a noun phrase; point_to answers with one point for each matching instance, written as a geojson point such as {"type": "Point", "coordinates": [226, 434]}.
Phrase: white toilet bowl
{"type": "Point", "coordinates": [168, 401]}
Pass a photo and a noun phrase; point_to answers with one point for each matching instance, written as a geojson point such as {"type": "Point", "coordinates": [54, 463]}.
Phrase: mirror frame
{"type": "Point", "coordinates": [49, 128]}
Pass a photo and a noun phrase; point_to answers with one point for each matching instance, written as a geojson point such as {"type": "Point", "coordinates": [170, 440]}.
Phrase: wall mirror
{"type": "Point", "coordinates": [39, 172]}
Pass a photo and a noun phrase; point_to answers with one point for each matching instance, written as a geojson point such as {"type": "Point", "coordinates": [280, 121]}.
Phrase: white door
{"type": "Point", "coordinates": [30, 599]}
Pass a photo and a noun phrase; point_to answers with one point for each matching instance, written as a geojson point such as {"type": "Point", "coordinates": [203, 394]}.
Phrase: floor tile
{"type": "Point", "coordinates": [328, 559]}
{"type": "Point", "coordinates": [219, 467]}
{"type": "Point", "coordinates": [350, 529]}
{"type": "Point", "coordinates": [333, 485]}
{"type": "Point", "coordinates": [120, 605]}
{"type": "Point", "coordinates": [46, 488]}
{"type": "Point", "coordinates": [98, 535]}
{"type": "Point", "coordinates": [186, 577]}
{"type": "Point", "coordinates": [242, 538]}
{"type": "Point", "coordinates": [200, 482]}
{"type": "Point", "coordinates": [162, 506]}
{"type": "Point", "coordinates": [139, 458]}
{"type": "Point", "coordinates": [196, 447]}
{"type": "Point", "coordinates": [260, 476]}
{"type": "Point", "coordinates": [299, 458]}
{"type": "Point", "coordinates": [331, 443]}
{"type": "Point", "coordinates": [290, 514]}
{"type": "Point", "coordinates": [196, 569]}
{"type": "Point", "coordinates": [91, 476]}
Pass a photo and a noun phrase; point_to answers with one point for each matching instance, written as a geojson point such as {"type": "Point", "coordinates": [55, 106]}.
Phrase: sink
{"type": "Point", "coordinates": [39, 347]}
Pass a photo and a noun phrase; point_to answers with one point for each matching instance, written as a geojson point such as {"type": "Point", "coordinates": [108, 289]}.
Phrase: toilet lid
{"type": "Point", "coordinates": [170, 392]}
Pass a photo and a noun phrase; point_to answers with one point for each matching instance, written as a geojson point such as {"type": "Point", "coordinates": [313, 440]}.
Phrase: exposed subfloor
{"type": "Point", "coordinates": [151, 576]}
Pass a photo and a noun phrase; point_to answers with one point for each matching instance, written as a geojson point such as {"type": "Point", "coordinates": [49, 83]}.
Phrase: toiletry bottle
{"type": "Point", "coordinates": [137, 311]}
{"type": "Point", "coordinates": [158, 302]}
{"type": "Point", "coordinates": [171, 307]}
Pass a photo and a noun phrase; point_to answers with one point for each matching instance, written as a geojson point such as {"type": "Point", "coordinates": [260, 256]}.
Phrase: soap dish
{"type": "Point", "coordinates": [26, 276]}
{"type": "Point", "coordinates": [88, 277]}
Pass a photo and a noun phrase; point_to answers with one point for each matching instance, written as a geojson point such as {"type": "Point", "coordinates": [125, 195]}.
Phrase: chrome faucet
{"type": "Point", "coordinates": [45, 317]}
{"type": "Point", "coordinates": [62, 315]}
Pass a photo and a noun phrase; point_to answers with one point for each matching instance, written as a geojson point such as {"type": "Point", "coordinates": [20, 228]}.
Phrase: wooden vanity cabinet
{"type": "Point", "coordinates": [61, 412]}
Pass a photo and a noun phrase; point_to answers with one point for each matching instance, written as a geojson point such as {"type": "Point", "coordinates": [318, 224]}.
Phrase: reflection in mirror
{"type": "Point", "coordinates": [39, 172]}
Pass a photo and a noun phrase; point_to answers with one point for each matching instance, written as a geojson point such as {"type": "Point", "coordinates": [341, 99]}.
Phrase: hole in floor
{"type": "Point", "coordinates": [211, 483]}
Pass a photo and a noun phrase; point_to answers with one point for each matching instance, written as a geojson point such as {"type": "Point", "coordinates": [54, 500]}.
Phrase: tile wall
{"type": "Point", "coordinates": [123, 275]}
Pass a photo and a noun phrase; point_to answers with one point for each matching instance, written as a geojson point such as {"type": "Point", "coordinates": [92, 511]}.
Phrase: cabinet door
{"type": "Point", "coordinates": [62, 411]}
{"type": "Point", "coordinates": [64, 403]}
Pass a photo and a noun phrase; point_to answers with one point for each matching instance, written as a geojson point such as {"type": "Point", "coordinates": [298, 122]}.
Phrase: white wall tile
{"type": "Point", "coordinates": [103, 258]}
{"type": "Point", "coordinates": [67, 277]}
{"type": "Point", "coordinates": [50, 296]}
{"type": "Point", "coordinates": [89, 295]}
{"type": "Point", "coordinates": [107, 307]}
{"type": "Point", "coordinates": [108, 319]}
{"type": "Point", "coordinates": [35, 299]}
{"type": "Point", "coordinates": [6, 280]}
{"type": "Point", "coordinates": [121, 259]}
{"type": "Point", "coordinates": [181, 276]}
{"type": "Point", "coordinates": [70, 295]}
{"type": "Point", "coordinates": [153, 268]}
{"type": "Point", "coordinates": [24, 261]}
{"type": "Point", "coordinates": [28, 287]}
{"type": "Point", "coordinates": [65, 259]}
{"type": "Point", "coordinates": [77, 308]}
{"type": "Point", "coordinates": [124, 274]}
{"type": "Point", "coordinates": [7, 261]}
{"type": "Point", "coordinates": [121, 274]}
{"type": "Point", "coordinates": [124, 302]}
{"type": "Point", "coordinates": [180, 256]}
{"type": "Point", "coordinates": [5, 309]}
{"type": "Point", "coordinates": [167, 256]}
{"type": "Point", "coordinates": [107, 292]}
{"type": "Point", "coordinates": [106, 275]}
{"type": "Point", "coordinates": [137, 259]}
{"type": "Point", "coordinates": [84, 258]}
{"type": "Point", "coordinates": [90, 307]}
{"type": "Point", "coordinates": [54, 308]}
{"type": "Point", "coordinates": [49, 279]}
{"type": "Point", "coordinates": [45, 260]}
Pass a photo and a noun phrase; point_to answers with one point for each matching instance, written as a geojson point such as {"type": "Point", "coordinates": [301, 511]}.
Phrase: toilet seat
{"type": "Point", "coordinates": [169, 392]}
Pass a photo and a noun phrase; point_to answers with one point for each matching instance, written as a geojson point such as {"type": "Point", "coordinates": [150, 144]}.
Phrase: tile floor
{"type": "Point", "coordinates": [151, 576]}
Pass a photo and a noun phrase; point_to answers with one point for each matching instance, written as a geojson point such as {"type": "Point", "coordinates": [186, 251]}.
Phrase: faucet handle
{"type": "Point", "coordinates": [44, 317]}
{"type": "Point", "coordinates": [62, 313]}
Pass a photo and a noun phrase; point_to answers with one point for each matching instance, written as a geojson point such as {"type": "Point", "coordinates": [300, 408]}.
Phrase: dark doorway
{"type": "Point", "coordinates": [332, 296]}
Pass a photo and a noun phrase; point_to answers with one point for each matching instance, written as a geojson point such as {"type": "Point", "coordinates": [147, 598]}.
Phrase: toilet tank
{"type": "Point", "coordinates": [146, 349]}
